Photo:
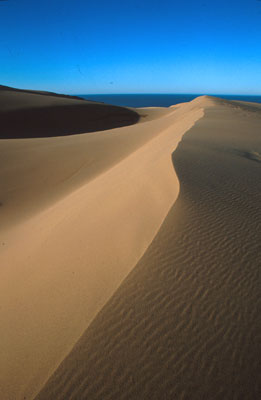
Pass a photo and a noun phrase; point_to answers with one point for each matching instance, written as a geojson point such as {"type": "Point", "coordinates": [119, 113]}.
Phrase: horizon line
{"type": "Point", "coordinates": [165, 94]}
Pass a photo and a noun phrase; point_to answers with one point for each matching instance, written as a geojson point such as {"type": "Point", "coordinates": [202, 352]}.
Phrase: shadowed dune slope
{"type": "Point", "coordinates": [28, 114]}
{"type": "Point", "coordinates": [185, 323]}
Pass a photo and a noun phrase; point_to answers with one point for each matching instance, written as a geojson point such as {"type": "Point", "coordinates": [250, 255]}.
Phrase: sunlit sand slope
{"type": "Point", "coordinates": [77, 213]}
{"type": "Point", "coordinates": [185, 323]}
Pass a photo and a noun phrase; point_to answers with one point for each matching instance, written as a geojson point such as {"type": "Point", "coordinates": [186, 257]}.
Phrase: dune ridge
{"type": "Point", "coordinates": [185, 323]}
{"type": "Point", "coordinates": [72, 229]}
{"type": "Point", "coordinates": [52, 167]}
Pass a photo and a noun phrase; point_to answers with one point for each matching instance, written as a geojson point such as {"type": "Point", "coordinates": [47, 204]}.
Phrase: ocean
{"type": "Point", "coordinates": [156, 100]}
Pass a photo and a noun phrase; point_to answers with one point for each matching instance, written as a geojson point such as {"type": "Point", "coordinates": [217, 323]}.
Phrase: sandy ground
{"type": "Point", "coordinates": [123, 279]}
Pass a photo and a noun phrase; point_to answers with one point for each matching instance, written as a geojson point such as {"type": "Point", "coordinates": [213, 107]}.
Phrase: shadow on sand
{"type": "Point", "coordinates": [63, 120]}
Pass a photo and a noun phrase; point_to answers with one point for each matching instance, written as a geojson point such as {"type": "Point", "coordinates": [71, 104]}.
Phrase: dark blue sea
{"type": "Point", "coordinates": [156, 100]}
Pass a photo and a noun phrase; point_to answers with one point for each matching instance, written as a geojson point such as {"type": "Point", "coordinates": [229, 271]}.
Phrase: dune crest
{"type": "Point", "coordinates": [78, 213]}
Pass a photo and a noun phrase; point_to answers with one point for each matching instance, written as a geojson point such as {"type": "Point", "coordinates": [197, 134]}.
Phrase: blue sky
{"type": "Point", "coordinates": [137, 46]}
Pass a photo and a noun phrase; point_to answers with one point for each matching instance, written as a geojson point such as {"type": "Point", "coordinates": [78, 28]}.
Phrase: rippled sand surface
{"type": "Point", "coordinates": [185, 323]}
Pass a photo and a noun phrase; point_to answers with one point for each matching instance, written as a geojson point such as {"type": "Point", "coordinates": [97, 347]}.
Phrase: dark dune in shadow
{"type": "Point", "coordinates": [63, 120]}
{"type": "Point", "coordinates": [29, 114]}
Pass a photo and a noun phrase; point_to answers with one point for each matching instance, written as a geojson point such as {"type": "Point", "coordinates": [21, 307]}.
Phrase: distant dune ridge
{"type": "Point", "coordinates": [130, 256]}
{"type": "Point", "coordinates": [30, 114]}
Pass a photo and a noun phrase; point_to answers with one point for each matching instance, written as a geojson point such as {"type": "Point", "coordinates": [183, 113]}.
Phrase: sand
{"type": "Point", "coordinates": [129, 258]}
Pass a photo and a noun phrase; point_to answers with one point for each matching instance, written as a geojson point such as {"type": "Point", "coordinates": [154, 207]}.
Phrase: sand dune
{"type": "Point", "coordinates": [29, 114]}
{"type": "Point", "coordinates": [101, 299]}
{"type": "Point", "coordinates": [77, 214]}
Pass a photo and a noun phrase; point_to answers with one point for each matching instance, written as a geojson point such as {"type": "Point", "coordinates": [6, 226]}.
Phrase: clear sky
{"type": "Point", "coordinates": [137, 46]}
